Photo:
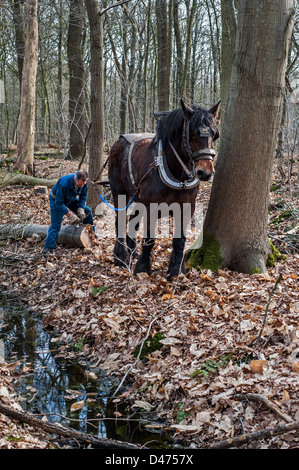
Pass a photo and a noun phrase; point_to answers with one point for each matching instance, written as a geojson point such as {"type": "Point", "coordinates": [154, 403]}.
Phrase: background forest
{"type": "Point", "coordinates": [155, 52]}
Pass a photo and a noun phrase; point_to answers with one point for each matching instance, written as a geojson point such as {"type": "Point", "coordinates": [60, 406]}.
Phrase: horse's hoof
{"type": "Point", "coordinates": [142, 269]}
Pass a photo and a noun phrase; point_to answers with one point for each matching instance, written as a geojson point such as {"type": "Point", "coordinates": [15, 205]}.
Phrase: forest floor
{"type": "Point", "coordinates": [202, 362]}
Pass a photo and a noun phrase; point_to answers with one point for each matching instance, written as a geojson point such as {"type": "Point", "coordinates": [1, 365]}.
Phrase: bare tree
{"type": "Point", "coordinates": [77, 80]}
{"type": "Point", "coordinates": [18, 18]}
{"type": "Point", "coordinates": [96, 98]}
{"type": "Point", "coordinates": [164, 44]}
{"type": "Point", "coordinates": [24, 160]}
{"type": "Point", "coordinates": [228, 39]}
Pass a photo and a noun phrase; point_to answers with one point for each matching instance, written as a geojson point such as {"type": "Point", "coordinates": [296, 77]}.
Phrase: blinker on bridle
{"type": "Point", "coordinates": [204, 154]}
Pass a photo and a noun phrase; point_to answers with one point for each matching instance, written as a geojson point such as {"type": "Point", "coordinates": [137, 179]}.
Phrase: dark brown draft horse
{"type": "Point", "coordinates": [163, 168]}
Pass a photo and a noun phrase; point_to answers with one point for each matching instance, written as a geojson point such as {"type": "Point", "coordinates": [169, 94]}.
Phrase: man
{"type": "Point", "coordinates": [67, 197]}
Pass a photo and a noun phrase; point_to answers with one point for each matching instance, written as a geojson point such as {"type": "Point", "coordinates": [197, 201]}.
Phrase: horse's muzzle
{"type": "Point", "coordinates": [203, 175]}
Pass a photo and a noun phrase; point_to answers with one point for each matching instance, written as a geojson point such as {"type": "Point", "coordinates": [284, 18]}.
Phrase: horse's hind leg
{"type": "Point", "coordinates": [131, 236]}
{"type": "Point", "coordinates": [120, 252]}
{"type": "Point", "coordinates": [143, 264]}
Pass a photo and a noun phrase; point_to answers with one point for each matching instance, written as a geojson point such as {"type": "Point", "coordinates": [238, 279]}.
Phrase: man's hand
{"type": "Point", "coordinates": [81, 214]}
{"type": "Point", "coordinates": [73, 218]}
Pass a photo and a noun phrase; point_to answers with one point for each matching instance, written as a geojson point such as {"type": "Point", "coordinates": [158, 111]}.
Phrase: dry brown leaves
{"type": "Point", "coordinates": [208, 322]}
{"type": "Point", "coordinates": [14, 435]}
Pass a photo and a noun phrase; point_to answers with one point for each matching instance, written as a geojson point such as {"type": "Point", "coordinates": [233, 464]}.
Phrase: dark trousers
{"type": "Point", "coordinates": [56, 220]}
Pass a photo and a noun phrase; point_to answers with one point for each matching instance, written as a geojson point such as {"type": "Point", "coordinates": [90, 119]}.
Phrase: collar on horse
{"type": "Point", "coordinates": [167, 177]}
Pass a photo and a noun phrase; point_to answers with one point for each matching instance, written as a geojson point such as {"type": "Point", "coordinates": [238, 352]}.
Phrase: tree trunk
{"type": "Point", "coordinates": [70, 235]}
{"type": "Point", "coordinates": [235, 228]}
{"type": "Point", "coordinates": [8, 179]}
{"type": "Point", "coordinates": [228, 39]}
{"type": "Point", "coordinates": [96, 100]}
{"type": "Point", "coordinates": [164, 54]}
{"type": "Point", "coordinates": [77, 81]}
{"type": "Point", "coordinates": [24, 161]}
{"type": "Point", "coordinates": [18, 6]}
{"type": "Point", "coordinates": [186, 88]}
{"type": "Point", "coordinates": [179, 50]}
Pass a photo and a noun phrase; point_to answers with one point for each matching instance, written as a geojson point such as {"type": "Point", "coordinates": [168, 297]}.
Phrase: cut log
{"type": "Point", "coordinates": [71, 235]}
{"type": "Point", "coordinates": [19, 178]}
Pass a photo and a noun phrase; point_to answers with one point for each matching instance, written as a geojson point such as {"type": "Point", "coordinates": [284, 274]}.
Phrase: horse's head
{"type": "Point", "coordinates": [200, 130]}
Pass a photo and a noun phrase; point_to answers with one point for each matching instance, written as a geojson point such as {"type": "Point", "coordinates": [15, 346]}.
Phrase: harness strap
{"type": "Point", "coordinates": [138, 138]}
{"type": "Point", "coordinates": [205, 154]}
{"type": "Point", "coordinates": [116, 208]}
{"type": "Point", "coordinates": [186, 170]}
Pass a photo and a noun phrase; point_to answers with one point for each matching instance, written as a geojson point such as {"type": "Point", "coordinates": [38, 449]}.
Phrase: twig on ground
{"type": "Point", "coordinates": [257, 435]}
{"type": "Point", "coordinates": [257, 339]}
{"type": "Point", "coordinates": [259, 398]}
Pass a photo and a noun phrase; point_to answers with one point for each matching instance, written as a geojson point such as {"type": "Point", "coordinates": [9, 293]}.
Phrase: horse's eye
{"type": "Point", "coordinates": [194, 135]}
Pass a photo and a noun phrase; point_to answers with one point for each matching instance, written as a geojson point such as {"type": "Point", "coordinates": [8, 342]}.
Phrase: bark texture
{"type": "Point", "coordinates": [77, 93]}
{"type": "Point", "coordinates": [163, 18]}
{"type": "Point", "coordinates": [24, 161]}
{"type": "Point", "coordinates": [96, 100]}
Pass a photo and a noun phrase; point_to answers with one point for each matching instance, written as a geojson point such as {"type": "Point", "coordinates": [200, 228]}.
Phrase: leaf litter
{"type": "Point", "coordinates": [192, 384]}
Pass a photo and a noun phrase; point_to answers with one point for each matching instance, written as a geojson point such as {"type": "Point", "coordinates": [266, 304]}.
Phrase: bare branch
{"type": "Point", "coordinates": [101, 13]}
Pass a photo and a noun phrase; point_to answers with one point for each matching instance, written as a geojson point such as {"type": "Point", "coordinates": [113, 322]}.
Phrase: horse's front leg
{"type": "Point", "coordinates": [176, 262]}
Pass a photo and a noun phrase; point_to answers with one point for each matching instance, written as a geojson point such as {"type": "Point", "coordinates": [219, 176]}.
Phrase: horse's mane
{"type": "Point", "coordinates": [170, 126]}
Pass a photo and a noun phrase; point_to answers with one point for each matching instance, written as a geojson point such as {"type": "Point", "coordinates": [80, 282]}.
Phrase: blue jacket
{"type": "Point", "coordinates": [64, 193]}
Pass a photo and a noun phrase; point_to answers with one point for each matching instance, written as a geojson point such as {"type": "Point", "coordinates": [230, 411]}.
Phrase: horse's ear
{"type": "Point", "coordinates": [186, 110]}
{"type": "Point", "coordinates": [215, 110]}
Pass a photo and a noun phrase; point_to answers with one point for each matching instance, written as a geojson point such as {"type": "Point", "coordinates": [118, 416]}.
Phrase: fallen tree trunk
{"type": "Point", "coordinates": [19, 178]}
{"type": "Point", "coordinates": [71, 235]}
{"type": "Point", "coordinates": [48, 427]}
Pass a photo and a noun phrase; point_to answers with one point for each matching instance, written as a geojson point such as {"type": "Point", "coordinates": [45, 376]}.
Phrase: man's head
{"type": "Point", "coordinates": [80, 178]}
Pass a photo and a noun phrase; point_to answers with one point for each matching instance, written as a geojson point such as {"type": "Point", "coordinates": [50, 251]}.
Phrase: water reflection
{"type": "Point", "coordinates": [51, 387]}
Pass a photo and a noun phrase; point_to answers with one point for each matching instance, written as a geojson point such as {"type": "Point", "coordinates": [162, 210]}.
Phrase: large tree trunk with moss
{"type": "Point", "coordinates": [235, 228]}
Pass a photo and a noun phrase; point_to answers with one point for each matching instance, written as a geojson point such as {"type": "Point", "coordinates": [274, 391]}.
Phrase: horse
{"type": "Point", "coordinates": [167, 168]}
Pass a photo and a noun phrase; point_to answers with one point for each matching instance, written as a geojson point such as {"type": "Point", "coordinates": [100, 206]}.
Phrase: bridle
{"type": "Point", "coordinates": [204, 154]}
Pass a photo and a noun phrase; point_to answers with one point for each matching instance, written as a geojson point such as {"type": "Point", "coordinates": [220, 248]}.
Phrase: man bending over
{"type": "Point", "coordinates": [67, 197]}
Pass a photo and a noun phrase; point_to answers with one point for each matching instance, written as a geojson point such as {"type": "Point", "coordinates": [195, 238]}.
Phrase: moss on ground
{"type": "Point", "coordinates": [274, 256]}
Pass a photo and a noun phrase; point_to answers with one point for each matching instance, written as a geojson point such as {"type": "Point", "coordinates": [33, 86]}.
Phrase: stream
{"type": "Point", "coordinates": [50, 386]}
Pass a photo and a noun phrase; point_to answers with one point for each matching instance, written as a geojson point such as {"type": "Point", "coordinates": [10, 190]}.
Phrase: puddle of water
{"type": "Point", "coordinates": [51, 387]}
